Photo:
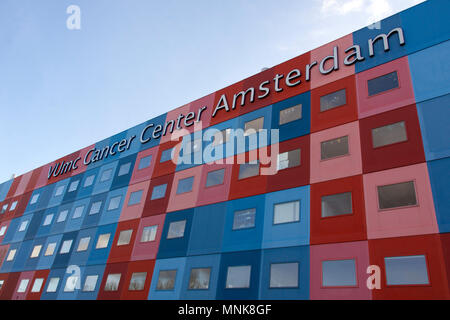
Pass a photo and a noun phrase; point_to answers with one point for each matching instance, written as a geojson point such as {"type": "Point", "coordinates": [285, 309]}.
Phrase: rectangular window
{"type": "Point", "coordinates": [339, 273]}
{"type": "Point", "coordinates": [284, 275]}
{"type": "Point", "coordinates": [2, 230]}
{"type": "Point", "coordinates": [149, 233]}
{"type": "Point", "coordinates": [4, 208]}
{"type": "Point", "coordinates": [390, 134]}
{"type": "Point", "coordinates": [199, 279]}
{"type": "Point", "coordinates": [383, 83]}
{"type": "Point", "coordinates": [73, 186]}
{"type": "Point", "coordinates": [290, 114]}
{"type": "Point", "coordinates": [53, 285]}
{"type": "Point", "coordinates": [71, 284]}
{"type": "Point", "coordinates": [145, 162]}
{"type": "Point", "coordinates": [48, 219]}
{"type": "Point", "coordinates": [23, 225]}
{"type": "Point", "coordinates": [238, 277]}
{"type": "Point", "coordinates": [59, 191]}
{"type": "Point", "coordinates": [89, 181]}
{"type": "Point", "coordinates": [215, 177]}
{"type": "Point", "coordinates": [333, 100]}
{"type": "Point", "coordinates": [221, 137]}
{"type": "Point", "coordinates": [397, 195]}
{"type": "Point", "coordinates": [11, 255]}
{"type": "Point", "coordinates": [112, 282]}
{"type": "Point", "coordinates": [337, 204]}
{"type": "Point", "coordinates": [13, 206]}
{"type": "Point", "coordinates": [288, 159]}
{"type": "Point", "coordinates": [176, 229]}
{"type": "Point", "coordinates": [83, 244]}
{"type": "Point", "coordinates": [90, 283]}
{"type": "Point", "coordinates": [286, 212]}
{"type": "Point", "coordinates": [62, 216]}
{"type": "Point", "coordinates": [103, 241]}
{"type": "Point", "coordinates": [135, 197]}
{"type": "Point", "coordinates": [34, 199]}
{"type": "Point", "coordinates": [253, 126]}
{"type": "Point", "coordinates": [247, 170]}
{"type": "Point", "coordinates": [124, 169]}
{"type": "Point", "coordinates": [95, 207]}
{"type": "Point", "coordinates": [78, 212]}
{"type": "Point", "coordinates": [137, 282]}
{"type": "Point", "coordinates": [185, 185]}
{"type": "Point", "coordinates": [244, 219]}
{"type": "Point", "coordinates": [334, 148]}
{"type": "Point", "coordinates": [50, 249]}
{"type": "Point", "coordinates": [106, 175]}
{"type": "Point", "coordinates": [124, 237]}
{"type": "Point", "coordinates": [406, 270]}
{"type": "Point", "coordinates": [159, 192]}
{"type": "Point", "coordinates": [65, 248]}
{"type": "Point", "coordinates": [37, 285]}
{"type": "Point", "coordinates": [36, 251]}
{"type": "Point", "coordinates": [166, 155]}
{"type": "Point", "coordinates": [114, 203]}
{"type": "Point", "coordinates": [166, 280]}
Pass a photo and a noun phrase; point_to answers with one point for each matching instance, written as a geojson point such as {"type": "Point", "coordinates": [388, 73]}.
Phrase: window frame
{"type": "Point", "coordinates": [391, 144]}
{"type": "Point", "coordinates": [402, 207]}
{"type": "Point", "coordinates": [284, 262]}
{"type": "Point", "coordinates": [284, 202]}
{"type": "Point", "coordinates": [339, 215]}
{"type": "Point", "coordinates": [209, 279]}
{"type": "Point", "coordinates": [427, 264]}
{"type": "Point", "coordinates": [215, 185]}
{"type": "Point", "coordinates": [291, 107]}
{"type": "Point", "coordinates": [356, 285]}
{"type": "Point", "coordinates": [348, 154]}
{"type": "Point", "coordinates": [242, 210]}
{"type": "Point", "coordinates": [384, 74]}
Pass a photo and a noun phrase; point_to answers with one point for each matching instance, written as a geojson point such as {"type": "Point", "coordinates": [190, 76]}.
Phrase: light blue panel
{"type": "Point", "coordinates": [167, 264]}
{"type": "Point", "coordinates": [434, 117]}
{"type": "Point", "coordinates": [86, 190]}
{"type": "Point", "coordinates": [22, 256]}
{"type": "Point", "coordinates": [103, 186]}
{"type": "Point", "coordinates": [11, 230]}
{"type": "Point", "coordinates": [440, 184]}
{"type": "Point", "coordinates": [73, 223]}
{"type": "Point", "coordinates": [204, 261]}
{"type": "Point", "coordinates": [56, 200]}
{"type": "Point", "coordinates": [91, 220]}
{"type": "Point", "coordinates": [286, 234]}
{"type": "Point", "coordinates": [32, 263]}
{"type": "Point", "coordinates": [251, 144]}
{"type": "Point", "coordinates": [97, 270]}
{"type": "Point", "coordinates": [244, 239]}
{"type": "Point", "coordinates": [44, 195]}
{"type": "Point", "coordinates": [20, 235]}
{"type": "Point", "coordinates": [42, 230]}
{"type": "Point", "coordinates": [112, 216]}
{"type": "Point", "coordinates": [430, 71]}
{"type": "Point", "coordinates": [58, 227]}
{"type": "Point", "coordinates": [80, 258]}
{"type": "Point", "coordinates": [46, 262]}
{"type": "Point", "coordinates": [4, 188]}
{"type": "Point", "coordinates": [100, 256]}
{"type": "Point", "coordinates": [54, 273]}
{"type": "Point", "coordinates": [298, 255]}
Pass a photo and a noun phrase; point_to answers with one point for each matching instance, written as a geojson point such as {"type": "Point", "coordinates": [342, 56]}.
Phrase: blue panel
{"type": "Point", "coordinates": [298, 255]}
{"type": "Point", "coordinates": [175, 247]}
{"type": "Point", "coordinates": [440, 184]}
{"type": "Point", "coordinates": [58, 227]}
{"type": "Point", "coordinates": [422, 35]}
{"type": "Point", "coordinates": [7, 266]}
{"type": "Point", "coordinates": [74, 222]}
{"type": "Point", "coordinates": [295, 128]}
{"type": "Point", "coordinates": [167, 264]}
{"type": "Point", "coordinates": [46, 262]}
{"type": "Point", "coordinates": [62, 260]}
{"type": "Point", "coordinates": [54, 273]}
{"type": "Point", "coordinates": [44, 197]}
{"type": "Point", "coordinates": [251, 144]}
{"type": "Point", "coordinates": [55, 200]}
{"type": "Point", "coordinates": [207, 229]}
{"type": "Point", "coordinates": [362, 36]}
{"type": "Point", "coordinates": [32, 263]}
{"type": "Point", "coordinates": [103, 186]}
{"type": "Point", "coordinates": [286, 234]}
{"type": "Point", "coordinates": [148, 134]}
{"type": "Point", "coordinates": [112, 216]}
{"type": "Point", "coordinates": [245, 258]}
{"type": "Point", "coordinates": [244, 239]}
{"type": "Point", "coordinates": [72, 195]}
{"type": "Point", "coordinates": [80, 258]}
{"type": "Point", "coordinates": [86, 190]}
{"type": "Point", "coordinates": [434, 116]}
{"type": "Point", "coordinates": [135, 144]}
{"type": "Point", "coordinates": [206, 261]}
{"type": "Point", "coordinates": [75, 271]}
{"type": "Point", "coordinates": [91, 220]}
{"type": "Point", "coordinates": [4, 188]}
{"type": "Point", "coordinates": [91, 271]}
{"type": "Point", "coordinates": [430, 72]}
{"type": "Point", "coordinates": [11, 231]}
{"type": "Point", "coordinates": [42, 230]}
{"type": "Point", "coordinates": [20, 235]}
{"type": "Point", "coordinates": [34, 224]}
{"type": "Point", "coordinates": [22, 256]}
{"type": "Point", "coordinates": [124, 179]}
{"type": "Point", "coordinates": [192, 159]}
{"type": "Point", "coordinates": [100, 256]}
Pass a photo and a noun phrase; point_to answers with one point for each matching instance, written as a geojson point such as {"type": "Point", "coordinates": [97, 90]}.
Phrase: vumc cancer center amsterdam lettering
{"type": "Point", "coordinates": [362, 179]}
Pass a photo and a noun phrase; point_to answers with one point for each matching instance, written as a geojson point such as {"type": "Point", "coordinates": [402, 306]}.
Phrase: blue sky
{"type": "Point", "coordinates": [62, 90]}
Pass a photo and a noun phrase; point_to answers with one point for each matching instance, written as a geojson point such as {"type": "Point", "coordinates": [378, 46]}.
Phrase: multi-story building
{"type": "Point", "coordinates": [340, 191]}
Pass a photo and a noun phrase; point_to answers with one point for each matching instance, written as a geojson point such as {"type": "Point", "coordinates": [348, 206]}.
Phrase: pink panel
{"type": "Point", "coordinates": [205, 118]}
{"type": "Point", "coordinates": [173, 115]}
{"type": "Point", "coordinates": [340, 251]}
{"type": "Point", "coordinates": [338, 167]}
{"type": "Point", "coordinates": [188, 199]}
{"type": "Point", "coordinates": [148, 250]}
{"type": "Point", "coordinates": [388, 100]}
{"type": "Point", "coordinates": [145, 173]}
{"type": "Point", "coordinates": [24, 275]}
{"type": "Point", "coordinates": [218, 193]}
{"type": "Point", "coordinates": [406, 221]}
{"type": "Point", "coordinates": [134, 211]}
{"type": "Point", "coordinates": [318, 79]}
{"type": "Point", "coordinates": [23, 183]}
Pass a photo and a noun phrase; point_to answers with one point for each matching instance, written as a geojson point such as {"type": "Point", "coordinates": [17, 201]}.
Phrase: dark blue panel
{"type": "Point", "coordinates": [123, 180]}
{"type": "Point", "coordinates": [177, 264]}
{"type": "Point", "coordinates": [34, 225]}
{"type": "Point", "coordinates": [73, 223]}
{"type": "Point", "coordinates": [72, 195]}
{"type": "Point", "coordinates": [75, 272]}
{"type": "Point", "coordinates": [58, 227]}
{"type": "Point", "coordinates": [103, 186]}
{"type": "Point", "coordinates": [81, 257]}
{"type": "Point", "coordinates": [113, 215]}
{"type": "Point", "coordinates": [295, 128]}
{"type": "Point", "coordinates": [62, 260]}
{"type": "Point", "coordinates": [298, 255]}
{"type": "Point", "coordinates": [176, 247]}
{"type": "Point", "coordinates": [4, 188]}
{"type": "Point", "coordinates": [440, 184]}
{"type": "Point", "coordinates": [54, 273]}
{"type": "Point", "coordinates": [32, 263]}
{"type": "Point", "coordinates": [86, 190]}
{"type": "Point", "coordinates": [44, 197]}
{"type": "Point", "coordinates": [207, 229]}
{"type": "Point", "coordinates": [91, 271]}
{"type": "Point", "coordinates": [55, 200]}
{"type": "Point", "coordinates": [42, 230]}
{"type": "Point", "coordinates": [243, 258]}
{"type": "Point", "coordinates": [100, 256]}
{"type": "Point", "coordinates": [148, 133]}
{"type": "Point", "coordinates": [91, 220]}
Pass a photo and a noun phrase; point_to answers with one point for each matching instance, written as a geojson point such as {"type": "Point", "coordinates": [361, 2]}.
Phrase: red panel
{"type": "Point", "coordinates": [13, 188]}
{"type": "Point", "coordinates": [445, 240]}
{"type": "Point", "coordinates": [397, 154]}
{"type": "Point", "coordinates": [254, 82]}
{"type": "Point", "coordinates": [295, 176]}
{"type": "Point", "coordinates": [167, 167]}
{"type": "Point", "coordinates": [138, 266]}
{"type": "Point", "coordinates": [222, 115]}
{"type": "Point", "coordinates": [428, 245]}
{"type": "Point", "coordinates": [148, 250]}
{"type": "Point", "coordinates": [123, 253]}
{"type": "Point", "coordinates": [342, 228]}
{"type": "Point", "coordinates": [157, 206]}
{"type": "Point", "coordinates": [120, 268]}
{"type": "Point", "coordinates": [33, 180]}
{"type": "Point", "coordinates": [8, 215]}
{"type": "Point", "coordinates": [37, 274]}
{"type": "Point", "coordinates": [22, 204]}
{"type": "Point", "coordinates": [9, 285]}
{"type": "Point", "coordinates": [336, 116]}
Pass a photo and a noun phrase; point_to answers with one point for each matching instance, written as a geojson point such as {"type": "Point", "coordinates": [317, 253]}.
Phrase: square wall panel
{"type": "Point", "coordinates": [412, 268]}
{"type": "Point", "coordinates": [102, 243]}
{"type": "Point", "coordinates": [88, 183]}
{"type": "Point", "coordinates": [400, 95]}
{"type": "Point", "coordinates": [440, 185]}
{"type": "Point", "coordinates": [37, 284]}
{"type": "Point", "coordinates": [334, 104]}
{"type": "Point", "coordinates": [336, 153]}
{"type": "Point", "coordinates": [224, 97]}
{"type": "Point", "coordinates": [399, 202]}
{"type": "Point", "coordinates": [83, 245]}
{"type": "Point", "coordinates": [171, 272]}
{"type": "Point", "coordinates": [145, 163]}
{"type": "Point", "coordinates": [391, 139]}
{"type": "Point", "coordinates": [176, 233]}
{"type": "Point", "coordinates": [167, 159]}
{"type": "Point", "coordinates": [113, 206]}
{"type": "Point", "coordinates": [54, 284]}
{"type": "Point", "coordinates": [105, 178]}
{"type": "Point", "coordinates": [123, 174]}
{"type": "Point", "coordinates": [64, 251]}
{"type": "Point", "coordinates": [254, 81]}
{"type": "Point", "coordinates": [148, 236]}
{"type": "Point", "coordinates": [31, 263]}
{"type": "Point", "coordinates": [91, 279]}
{"type": "Point", "coordinates": [146, 136]}
{"type": "Point", "coordinates": [172, 117]}
{"type": "Point", "coordinates": [113, 282]}
{"type": "Point", "coordinates": [137, 280]}
{"type": "Point", "coordinates": [134, 201]}
{"type": "Point", "coordinates": [338, 271]}
{"type": "Point", "coordinates": [158, 196]}
{"type": "Point", "coordinates": [215, 183]}
{"type": "Point", "coordinates": [50, 251]}
{"type": "Point", "coordinates": [9, 285]}
{"type": "Point", "coordinates": [123, 241]}
{"type": "Point", "coordinates": [97, 205]}
{"type": "Point", "coordinates": [185, 189]}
